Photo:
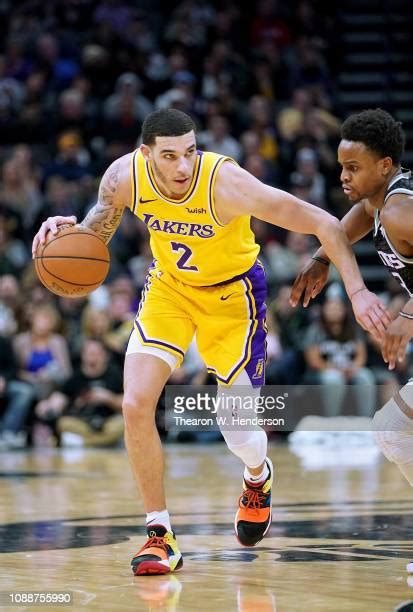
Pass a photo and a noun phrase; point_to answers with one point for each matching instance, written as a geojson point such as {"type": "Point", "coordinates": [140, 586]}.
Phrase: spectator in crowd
{"type": "Point", "coordinates": [181, 95]}
{"type": "Point", "coordinates": [286, 260]}
{"type": "Point", "coordinates": [121, 310]}
{"type": "Point", "coordinates": [262, 169]}
{"type": "Point", "coordinates": [72, 160]}
{"type": "Point", "coordinates": [89, 403]}
{"type": "Point", "coordinates": [113, 14]}
{"type": "Point", "coordinates": [297, 107]}
{"type": "Point", "coordinates": [71, 311]}
{"type": "Point", "coordinates": [250, 143]}
{"type": "Point", "coordinates": [19, 187]}
{"type": "Point", "coordinates": [335, 352]}
{"type": "Point", "coordinates": [11, 304]}
{"type": "Point", "coordinates": [269, 73]}
{"type": "Point", "coordinates": [13, 252]}
{"type": "Point", "coordinates": [309, 67]}
{"type": "Point", "coordinates": [262, 121]}
{"type": "Point", "coordinates": [16, 400]}
{"type": "Point", "coordinates": [217, 138]}
{"type": "Point", "coordinates": [95, 322]}
{"type": "Point", "coordinates": [128, 87]}
{"type": "Point", "coordinates": [287, 366]}
{"type": "Point", "coordinates": [269, 23]}
{"type": "Point", "coordinates": [60, 197]}
{"type": "Point", "coordinates": [73, 115]}
{"type": "Point", "coordinates": [307, 168]}
{"type": "Point", "coordinates": [322, 130]}
{"type": "Point", "coordinates": [42, 354]}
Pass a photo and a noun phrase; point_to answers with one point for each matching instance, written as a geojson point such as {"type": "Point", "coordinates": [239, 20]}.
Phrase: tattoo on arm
{"type": "Point", "coordinates": [104, 217]}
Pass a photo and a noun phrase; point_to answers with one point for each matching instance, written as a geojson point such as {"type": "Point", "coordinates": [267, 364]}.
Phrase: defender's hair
{"type": "Point", "coordinates": [166, 122]}
{"type": "Point", "coordinates": [378, 131]}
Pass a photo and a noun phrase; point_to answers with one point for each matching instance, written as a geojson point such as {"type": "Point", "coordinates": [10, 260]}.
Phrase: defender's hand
{"type": "Point", "coordinates": [395, 341]}
{"type": "Point", "coordinates": [310, 282]}
{"type": "Point", "coordinates": [50, 225]}
{"type": "Point", "coordinates": [371, 313]}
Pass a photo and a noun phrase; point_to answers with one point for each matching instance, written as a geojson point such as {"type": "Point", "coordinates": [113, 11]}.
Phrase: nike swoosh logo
{"type": "Point", "coordinates": [142, 201]}
{"type": "Point", "coordinates": [225, 297]}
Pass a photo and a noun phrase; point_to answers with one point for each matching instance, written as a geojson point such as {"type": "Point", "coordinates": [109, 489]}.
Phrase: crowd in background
{"type": "Point", "coordinates": [77, 78]}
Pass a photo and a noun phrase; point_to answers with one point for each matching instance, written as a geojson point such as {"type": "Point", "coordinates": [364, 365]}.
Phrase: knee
{"type": "Point", "coordinates": [393, 432]}
{"type": "Point", "coordinates": [364, 376]}
{"type": "Point", "coordinates": [249, 446]}
{"type": "Point", "coordinates": [332, 377]}
{"type": "Point", "coordinates": [138, 411]}
{"type": "Point", "coordinates": [21, 389]}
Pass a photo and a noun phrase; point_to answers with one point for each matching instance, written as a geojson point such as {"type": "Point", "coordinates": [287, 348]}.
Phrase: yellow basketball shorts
{"type": "Point", "coordinates": [228, 321]}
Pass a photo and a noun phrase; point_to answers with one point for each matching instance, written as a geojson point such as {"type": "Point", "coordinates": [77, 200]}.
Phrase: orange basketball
{"type": "Point", "coordinates": [73, 262]}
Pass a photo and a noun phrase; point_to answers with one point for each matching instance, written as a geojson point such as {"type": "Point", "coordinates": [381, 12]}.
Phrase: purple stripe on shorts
{"type": "Point", "coordinates": [255, 367]}
{"type": "Point", "coordinates": [160, 343]}
{"type": "Point", "coordinates": [146, 287]}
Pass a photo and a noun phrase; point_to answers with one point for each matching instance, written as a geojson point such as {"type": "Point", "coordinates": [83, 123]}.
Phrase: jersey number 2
{"type": "Point", "coordinates": [185, 257]}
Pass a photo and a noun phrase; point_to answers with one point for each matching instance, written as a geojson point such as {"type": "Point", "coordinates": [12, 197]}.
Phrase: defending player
{"type": "Point", "coordinates": [381, 192]}
{"type": "Point", "coordinates": [205, 279]}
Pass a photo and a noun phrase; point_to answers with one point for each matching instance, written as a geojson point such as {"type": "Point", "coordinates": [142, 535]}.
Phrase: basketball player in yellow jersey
{"type": "Point", "coordinates": [205, 278]}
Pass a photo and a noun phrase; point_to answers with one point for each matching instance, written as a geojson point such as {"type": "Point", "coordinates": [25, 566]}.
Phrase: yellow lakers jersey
{"type": "Point", "coordinates": [186, 236]}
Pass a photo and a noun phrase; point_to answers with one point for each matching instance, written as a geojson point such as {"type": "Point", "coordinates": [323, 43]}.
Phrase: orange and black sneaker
{"type": "Point", "coordinates": [253, 518]}
{"type": "Point", "coordinates": [159, 555]}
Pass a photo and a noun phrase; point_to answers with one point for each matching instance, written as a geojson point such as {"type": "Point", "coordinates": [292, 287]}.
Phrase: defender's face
{"type": "Point", "coordinates": [173, 162]}
{"type": "Point", "coordinates": [363, 173]}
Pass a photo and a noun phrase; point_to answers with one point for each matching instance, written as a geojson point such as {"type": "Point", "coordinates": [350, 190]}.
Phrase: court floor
{"type": "Point", "coordinates": [340, 540]}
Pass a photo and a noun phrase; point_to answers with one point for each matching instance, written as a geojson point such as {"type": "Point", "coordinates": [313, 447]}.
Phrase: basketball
{"type": "Point", "coordinates": [73, 262]}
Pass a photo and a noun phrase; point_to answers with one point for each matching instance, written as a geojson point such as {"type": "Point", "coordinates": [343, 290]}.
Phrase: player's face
{"type": "Point", "coordinates": [363, 173]}
{"type": "Point", "coordinates": [173, 162]}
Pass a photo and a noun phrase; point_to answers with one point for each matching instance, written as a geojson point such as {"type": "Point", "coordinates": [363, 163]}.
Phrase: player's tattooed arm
{"type": "Point", "coordinates": [104, 217]}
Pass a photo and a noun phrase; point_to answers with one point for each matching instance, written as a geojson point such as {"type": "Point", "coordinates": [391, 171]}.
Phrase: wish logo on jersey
{"type": "Point", "coordinates": [178, 227]}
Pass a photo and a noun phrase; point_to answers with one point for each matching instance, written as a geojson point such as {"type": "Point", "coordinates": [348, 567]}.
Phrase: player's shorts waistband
{"type": "Point", "coordinates": [238, 277]}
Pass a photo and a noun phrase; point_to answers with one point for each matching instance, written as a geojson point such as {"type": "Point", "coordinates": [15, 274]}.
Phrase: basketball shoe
{"type": "Point", "coordinates": [253, 517]}
{"type": "Point", "coordinates": [159, 555]}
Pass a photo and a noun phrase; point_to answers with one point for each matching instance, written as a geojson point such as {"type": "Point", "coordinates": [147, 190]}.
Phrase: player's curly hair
{"type": "Point", "coordinates": [165, 122]}
{"type": "Point", "coordinates": [378, 131]}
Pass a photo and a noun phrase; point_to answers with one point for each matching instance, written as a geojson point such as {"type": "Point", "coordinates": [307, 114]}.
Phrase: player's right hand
{"type": "Point", "coordinates": [50, 225]}
{"type": "Point", "coordinates": [309, 282]}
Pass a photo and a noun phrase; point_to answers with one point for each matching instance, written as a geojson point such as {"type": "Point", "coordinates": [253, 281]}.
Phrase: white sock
{"type": "Point", "coordinates": [259, 478]}
{"type": "Point", "coordinates": [159, 517]}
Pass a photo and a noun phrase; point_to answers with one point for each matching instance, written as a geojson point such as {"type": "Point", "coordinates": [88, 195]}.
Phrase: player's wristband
{"type": "Point", "coordinates": [321, 260]}
{"type": "Point", "coordinates": [358, 291]}
{"type": "Point", "coordinates": [406, 315]}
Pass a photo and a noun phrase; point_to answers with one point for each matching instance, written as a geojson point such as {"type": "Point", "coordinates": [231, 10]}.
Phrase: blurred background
{"type": "Point", "coordinates": [267, 83]}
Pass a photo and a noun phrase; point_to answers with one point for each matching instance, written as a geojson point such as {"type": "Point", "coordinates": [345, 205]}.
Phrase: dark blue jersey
{"type": "Point", "coordinates": [399, 266]}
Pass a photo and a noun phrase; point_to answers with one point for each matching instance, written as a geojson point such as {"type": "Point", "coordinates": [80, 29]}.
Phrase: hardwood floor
{"type": "Point", "coordinates": [71, 520]}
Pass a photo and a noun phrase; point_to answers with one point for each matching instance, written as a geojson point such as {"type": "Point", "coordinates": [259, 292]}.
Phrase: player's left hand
{"type": "Point", "coordinates": [371, 313]}
{"type": "Point", "coordinates": [395, 341]}
{"type": "Point", "coordinates": [309, 282]}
